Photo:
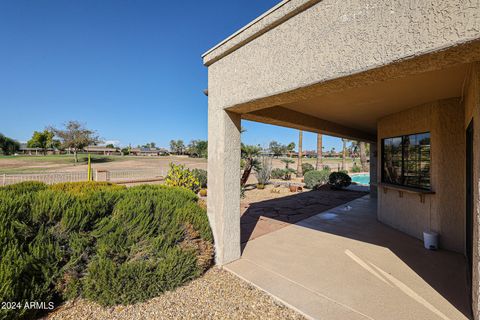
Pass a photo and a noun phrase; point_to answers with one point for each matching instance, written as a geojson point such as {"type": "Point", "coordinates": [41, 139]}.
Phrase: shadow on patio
{"type": "Point", "coordinates": [262, 217]}
{"type": "Point", "coordinates": [338, 263]}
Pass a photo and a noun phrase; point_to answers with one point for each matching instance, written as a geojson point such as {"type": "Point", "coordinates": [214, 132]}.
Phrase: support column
{"type": "Point", "coordinates": [223, 204]}
{"type": "Point", "coordinates": [373, 169]}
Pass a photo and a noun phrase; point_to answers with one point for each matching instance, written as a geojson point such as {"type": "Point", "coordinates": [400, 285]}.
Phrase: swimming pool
{"type": "Point", "coordinates": [363, 179]}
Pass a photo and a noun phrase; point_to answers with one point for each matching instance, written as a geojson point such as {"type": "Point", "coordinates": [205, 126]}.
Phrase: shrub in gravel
{"type": "Point", "coordinates": [306, 167]}
{"type": "Point", "coordinates": [339, 180]}
{"type": "Point", "coordinates": [201, 176]}
{"type": "Point", "coordinates": [100, 241]}
{"type": "Point", "coordinates": [315, 178]}
{"type": "Point", "coordinates": [356, 168]}
{"type": "Point", "coordinates": [179, 176]}
{"type": "Point", "coordinates": [277, 173]}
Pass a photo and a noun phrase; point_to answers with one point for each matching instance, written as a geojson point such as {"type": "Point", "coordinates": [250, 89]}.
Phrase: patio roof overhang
{"type": "Point", "coordinates": [354, 111]}
{"type": "Point", "coordinates": [338, 68]}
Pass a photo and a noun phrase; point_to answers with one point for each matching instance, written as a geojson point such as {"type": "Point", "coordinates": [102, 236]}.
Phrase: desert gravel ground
{"type": "Point", "coordinates": [216, 295]}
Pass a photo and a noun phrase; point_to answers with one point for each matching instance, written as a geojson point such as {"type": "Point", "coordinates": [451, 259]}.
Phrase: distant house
{"type": "Point", "coordinates": [101, 150]}
{"type": "Point", "coordinates": [36, 151]}
{"type": "Point", "coordinates": [149, 152]}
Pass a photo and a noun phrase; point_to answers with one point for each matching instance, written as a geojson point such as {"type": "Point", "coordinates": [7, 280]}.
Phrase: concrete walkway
{"type": "Point", "coordinates": [344, 264]}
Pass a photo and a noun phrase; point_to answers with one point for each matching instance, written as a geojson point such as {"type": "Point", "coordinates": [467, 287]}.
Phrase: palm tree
{"type": "Point", "coordinates": [344, 154]}
{"type": "Point", "coordinates": [300, 153]}
{"type": "Point", "coordinates": [354, 149]}
{"type": "Point", "coordinates": [363, 156]}
{"type": "Point", "coordinates": [318, 163]}
{"type": "Point", "coordinates": [249, 155]}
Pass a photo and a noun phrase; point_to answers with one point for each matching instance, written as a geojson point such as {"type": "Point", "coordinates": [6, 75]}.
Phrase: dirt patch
{"type": "Point", "coordinates": [34, 164]}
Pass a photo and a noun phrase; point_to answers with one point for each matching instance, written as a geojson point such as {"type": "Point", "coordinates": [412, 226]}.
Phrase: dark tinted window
{"type": "Point", "coordinates": [406, 160]}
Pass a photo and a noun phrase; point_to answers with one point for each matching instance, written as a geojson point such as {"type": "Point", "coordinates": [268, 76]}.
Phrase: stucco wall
{"type": "Point", "coordinates": [334, 39]}
{"type": "Point", "coordinates": [443, 211]}
{"type": "Point", "coordinates": [472, 111]}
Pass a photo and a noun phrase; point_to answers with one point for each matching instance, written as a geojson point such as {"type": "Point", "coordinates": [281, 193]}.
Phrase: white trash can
{"type": "Point", "coordinates": [430, 240]}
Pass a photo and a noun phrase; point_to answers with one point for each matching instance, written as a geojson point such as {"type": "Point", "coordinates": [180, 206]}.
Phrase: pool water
{"type": "Point", "coordinates": [363, 179]}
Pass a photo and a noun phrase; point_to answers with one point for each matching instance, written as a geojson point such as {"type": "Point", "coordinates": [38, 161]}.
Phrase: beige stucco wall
{"type": "Point", "coordinates": [472, 111]}
{"type": "Point", "coordinates": [334, 39]}
{"type": "Point", "coordinates": [223, 205]}
{"type": "Point", "coordinates": [443, 211]}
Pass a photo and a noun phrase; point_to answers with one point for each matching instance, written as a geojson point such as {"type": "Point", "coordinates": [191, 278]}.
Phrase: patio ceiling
{"type": "Point", "coordinates": [354, 112]}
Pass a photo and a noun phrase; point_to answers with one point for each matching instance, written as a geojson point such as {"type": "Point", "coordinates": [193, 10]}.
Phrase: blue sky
{"type": "Point", "coordinates": [131, 70]}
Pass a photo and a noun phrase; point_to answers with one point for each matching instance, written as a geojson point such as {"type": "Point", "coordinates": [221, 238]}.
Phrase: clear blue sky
{"type": "Point", "coordinates": [131, 70]}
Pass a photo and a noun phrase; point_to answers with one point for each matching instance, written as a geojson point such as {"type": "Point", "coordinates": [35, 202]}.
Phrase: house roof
{"type": "Point", "coordinates": [99, 148]}
{"type": "Point", "coordinates": [148, 150]}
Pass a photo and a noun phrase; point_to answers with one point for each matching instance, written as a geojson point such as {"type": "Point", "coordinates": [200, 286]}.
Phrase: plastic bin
{"type": "Point", "coordinates": [430, 240]}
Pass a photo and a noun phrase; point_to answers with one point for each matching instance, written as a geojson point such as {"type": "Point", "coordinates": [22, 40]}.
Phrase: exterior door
{"type": "Point", "coordinates": [469, 198]}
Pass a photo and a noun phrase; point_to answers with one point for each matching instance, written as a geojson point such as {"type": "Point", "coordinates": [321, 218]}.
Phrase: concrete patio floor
{"type": "Point", "coordinates": [343, 264]}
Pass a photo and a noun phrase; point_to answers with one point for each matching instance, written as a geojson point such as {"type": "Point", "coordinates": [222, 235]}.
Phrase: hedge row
{"type": "Point", "coordinates": [100, 241]}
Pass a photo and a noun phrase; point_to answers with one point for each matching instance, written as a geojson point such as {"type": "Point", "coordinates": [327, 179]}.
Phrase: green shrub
{"type": "Point", "coordinates": [100, 241]}
{"type": "Point", "coordinates": [316, 178]}
{"type": "Point", "coordinates": [306, 167]}
{"type": "Point", "coordinates": [25, 187]}
{"type": "Point", "coordinates": [327, 168]}
{"type": "Point", "coordinates": [85, 187]}
{"type": "Point", "coordinates": [339, 180]}
{"type": "Point", "coordinates": [264, 171]}
{"type": "Point", "coordinates": [356, 168]}
{"type": "Point", "coordinates": [179, 176]}
{"type": "Point", "coordinates": [277, 173]}
{"type": "Point", "coordinates": [201, 176]}
{"type": "Point", "coordinates": [287, 173]}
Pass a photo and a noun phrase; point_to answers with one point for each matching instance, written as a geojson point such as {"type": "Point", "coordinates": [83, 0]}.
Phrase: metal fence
{"type": "Point", "coordinates": [118, 176]}
{"type": "Point", "coordinates": [133, 175]}
{"type": "Point", "coordinates": [48, 178]}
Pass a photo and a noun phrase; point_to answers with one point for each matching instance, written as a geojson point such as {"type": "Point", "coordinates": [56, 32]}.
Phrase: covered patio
{"type": "Point", "coordinates": [402, 76]}
{"type": "Point", "coordinates": [343, 264]}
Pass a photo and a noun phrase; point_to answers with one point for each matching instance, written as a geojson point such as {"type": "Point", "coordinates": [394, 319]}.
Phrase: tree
{"type": "Point", "coordinates": [332, 152]}
{"type": "Point", "coordinates": [354, 147]}
{"type": "Point", "coordinates": [288, 171]}
{"type": "Point", "coordinates": [110, 145]}
{"type": "Point", "coordinates": [277, 148]}
{"type": "Point", "coordinates": [150, 145]}
{"type": "Point", "coordinates": [249, 154]}
{"type": "Point", "coordinates": [300, 154]}
{"type": "Point", "coordinates": [43, 140]}
{"type": "Point", "coordinates": [177, 146]}
{"type": "Point", "coordinates": [318, 163]}
{"type": "Point", "coordinates": [290, 147]}
{"type": "Point", "coordinates": [8, 145]}
{"type": "Point", "coordinates": [363, 156]}
{"type": "Point", "coordinates": [198, 148]}
{"type": "Point", "coordinates": [344, 154]}
{"type": "Point", "coordinates": [75, 137]}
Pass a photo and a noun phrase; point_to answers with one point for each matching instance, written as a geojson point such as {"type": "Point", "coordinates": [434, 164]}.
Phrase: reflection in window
{"type": "Point", "coordinates": [406, 160]}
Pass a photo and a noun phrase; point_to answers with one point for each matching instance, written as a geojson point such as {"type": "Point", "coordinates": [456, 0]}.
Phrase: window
{"type": "Point", "coordinates": [406, 160]}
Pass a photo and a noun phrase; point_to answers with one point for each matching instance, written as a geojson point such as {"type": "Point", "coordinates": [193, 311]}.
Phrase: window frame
{"type": "Point", "coordinates": [404, 161]}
